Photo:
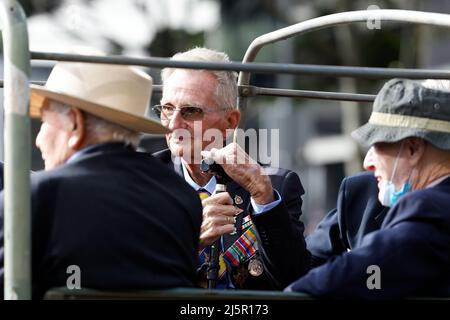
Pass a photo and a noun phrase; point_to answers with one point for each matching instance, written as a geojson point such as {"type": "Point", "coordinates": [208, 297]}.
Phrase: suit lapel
{"type": "Point", "coordinates": [380, 217]}
{"type": "Point", "coordinates": [172, 162]}
{"type": "Point", "coordinates": [177, 166]}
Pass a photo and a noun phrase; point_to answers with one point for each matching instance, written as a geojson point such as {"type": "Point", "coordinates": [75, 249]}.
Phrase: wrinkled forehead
{"type": "Point", "coordinates": [190, 87]}
{"type": "Point", "coordinates": [50, 103]}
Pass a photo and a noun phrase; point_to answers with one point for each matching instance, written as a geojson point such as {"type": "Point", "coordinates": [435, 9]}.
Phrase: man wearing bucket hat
{"type": "Point", "coordinates": [409, 138]}
{"type": "Point", "coordinates": [118, 216]}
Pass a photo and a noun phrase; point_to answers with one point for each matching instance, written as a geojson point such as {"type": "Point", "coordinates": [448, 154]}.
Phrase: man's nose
{"type": "Point", "coordinates": [368, 160]}
{"type": "Point", "coordinates": [176, 121]}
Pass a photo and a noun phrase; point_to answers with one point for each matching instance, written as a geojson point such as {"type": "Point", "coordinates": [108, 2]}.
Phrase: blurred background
{"type": "Point", "coordinates": [314, 134]}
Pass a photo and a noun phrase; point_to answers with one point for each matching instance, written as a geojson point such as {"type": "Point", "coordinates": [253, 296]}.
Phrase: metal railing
{"type": "Point", "coordinates": [17, 222]}
{"type": "Point", "coordinates": [416, 17]}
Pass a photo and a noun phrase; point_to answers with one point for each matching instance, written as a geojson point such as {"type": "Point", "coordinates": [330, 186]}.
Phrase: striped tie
{"type": "Point", "coordinates": [203, 194]}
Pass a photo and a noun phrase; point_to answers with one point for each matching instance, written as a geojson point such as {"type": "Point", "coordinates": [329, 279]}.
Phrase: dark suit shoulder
{"type": "Point", "coordinates": [163, 155]}
{"type": "Point", "coordinates": [85, 204]}
{"type": "Point", "coordinates": [429, 204]}
{"type": "Point", "coordinates": [91, 170]}
{"type": "Point", "coordinates": [285, 181]}
{"type": "Point", "coordinates": [357, 213]}
{"type": "Point", "coordinates": [358, 192]}
{"type": "Point", "coordinates": [364, 180]}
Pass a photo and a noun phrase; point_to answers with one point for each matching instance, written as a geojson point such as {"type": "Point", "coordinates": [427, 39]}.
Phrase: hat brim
{"type": "Point", "coordinates": [369, 134]}
{"type": "Point", "coordinates": [132, 122]}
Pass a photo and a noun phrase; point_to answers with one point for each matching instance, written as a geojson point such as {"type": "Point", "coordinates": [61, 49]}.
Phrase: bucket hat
{"type": "Point", "coordinates": [406, 108]}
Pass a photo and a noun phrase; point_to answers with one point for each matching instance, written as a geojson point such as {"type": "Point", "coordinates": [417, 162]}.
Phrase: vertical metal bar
{"type": "Point", "coordinates": [17, 220]}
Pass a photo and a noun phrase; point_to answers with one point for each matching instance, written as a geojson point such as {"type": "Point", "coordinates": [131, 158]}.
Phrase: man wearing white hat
{"type": "Point", "coordinates": [118, 216]}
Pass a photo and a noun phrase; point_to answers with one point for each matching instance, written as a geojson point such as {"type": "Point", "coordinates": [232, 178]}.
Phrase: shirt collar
{"type": "Point", "coordinates": [210, 186]}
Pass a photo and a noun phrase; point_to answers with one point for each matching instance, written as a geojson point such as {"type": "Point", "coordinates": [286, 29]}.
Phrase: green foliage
{"type": "Point", "coordinates": [379, 48]}
{"type": "Point", "coordinates": [32, 7]}
{"type": "Point", "coordinates": [167, 42]}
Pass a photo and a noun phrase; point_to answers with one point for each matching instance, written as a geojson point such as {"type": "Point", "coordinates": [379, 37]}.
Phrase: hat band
{"type": "Point", "coordinates": [397, 120]}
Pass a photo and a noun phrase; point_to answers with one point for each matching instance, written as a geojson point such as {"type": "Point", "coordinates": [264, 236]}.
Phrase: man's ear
{"type": "Point", "coordinates": [78, 131]}
{"type": "Point", "coordinates": [233, 117]}
{"type": "Point", "coordinates": [415, 149]}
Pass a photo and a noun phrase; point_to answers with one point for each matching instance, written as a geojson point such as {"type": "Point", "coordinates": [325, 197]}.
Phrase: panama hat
{"type": "Point", "coordinates": [405, 108]}
{"type": "Point", "coordinates": [119, 94]}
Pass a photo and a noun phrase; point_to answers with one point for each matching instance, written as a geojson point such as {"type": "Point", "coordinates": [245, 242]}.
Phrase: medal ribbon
{"type": "Point", "coordinates": [242, 248]}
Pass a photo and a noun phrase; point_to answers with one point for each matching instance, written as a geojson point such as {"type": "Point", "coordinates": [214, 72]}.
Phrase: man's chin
{"type": "Point", "coordinates": [50, 165]}
{"type": "Point", "coordinates": [176, 150]}
{"type": "Point", "coordinates": [186, 154]}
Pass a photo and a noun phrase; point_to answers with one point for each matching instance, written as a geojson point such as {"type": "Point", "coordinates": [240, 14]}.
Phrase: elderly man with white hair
{"type": "Point", "coordinates": [409, 138]}
{"type": "Point", "coordinates": [115, 216]}
{"type": "Point", "coordinates": [255, 224]}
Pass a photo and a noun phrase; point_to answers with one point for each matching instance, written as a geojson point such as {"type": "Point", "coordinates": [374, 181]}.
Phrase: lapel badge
{"type": "Point", "coordinates": [238, 199]}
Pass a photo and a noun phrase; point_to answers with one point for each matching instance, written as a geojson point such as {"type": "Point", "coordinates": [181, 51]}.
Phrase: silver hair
{"type": "Point", "coordinates": [226, 90]}
{"type": "Point", "coordinates": [435, 84]}
{"type": "Point", "coordinates": [98, 127]}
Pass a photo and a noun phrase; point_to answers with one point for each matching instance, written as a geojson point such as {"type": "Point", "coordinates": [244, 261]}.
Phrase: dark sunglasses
{"type": "Point", "coordinates": [188, 113]}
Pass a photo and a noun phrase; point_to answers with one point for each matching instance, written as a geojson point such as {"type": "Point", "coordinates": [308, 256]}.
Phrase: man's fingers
{"type": "Point", "coordinates": [218, 210]}
{"type": "Point", "coordinates": [213, 232]}
{"type": "Point", "coordinates": [228, 228]}
{"type": "Point", "coordinates": [214, 154]}
{"type": "Point", "coordinates": [228, 220]}
{"type": "Point", "coordinates": [232, 158]}
{"type": "Point", "coordinates": [219, 198]}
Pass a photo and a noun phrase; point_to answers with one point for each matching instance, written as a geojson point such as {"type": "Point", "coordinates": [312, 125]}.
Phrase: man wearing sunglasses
{"type": "Point", "coordinates": [257, 219]}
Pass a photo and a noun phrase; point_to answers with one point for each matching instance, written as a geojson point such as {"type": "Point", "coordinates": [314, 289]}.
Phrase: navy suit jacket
{"type": "Point", "coordinates": [279, 231]}
{"type": "Point", "coordinates": [120, 215]}
{"type": "Point", "coordinates": [411, 249]}
{"type": "Point", "coordinates": [358, 213]}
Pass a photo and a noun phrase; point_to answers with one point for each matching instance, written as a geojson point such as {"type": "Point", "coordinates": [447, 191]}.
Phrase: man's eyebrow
{"type": "Point", "coordinates": [198, 105]}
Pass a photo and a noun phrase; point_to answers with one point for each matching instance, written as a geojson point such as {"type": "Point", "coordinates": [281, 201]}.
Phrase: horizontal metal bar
{"type": "Point", "coordinates": [251, 91]}
{"type": "Point", "coordinates": [304, 69]}
{"type": "Point", "coordinates": [33, 82]}
{"type": "Point", "coordinates": [325, 95]}
{"type": "Point", "coordinates": [405, 16]}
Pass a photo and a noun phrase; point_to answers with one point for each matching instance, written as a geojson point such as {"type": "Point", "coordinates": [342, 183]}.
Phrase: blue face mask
{"type": "Point", "coordinates": [391, 196]}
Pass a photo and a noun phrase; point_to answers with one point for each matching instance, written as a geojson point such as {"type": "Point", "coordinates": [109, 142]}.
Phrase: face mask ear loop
{"type": "Point", "coordinates": [412, 176]}
{"type": "Point", "coordinates": [396, 162]}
